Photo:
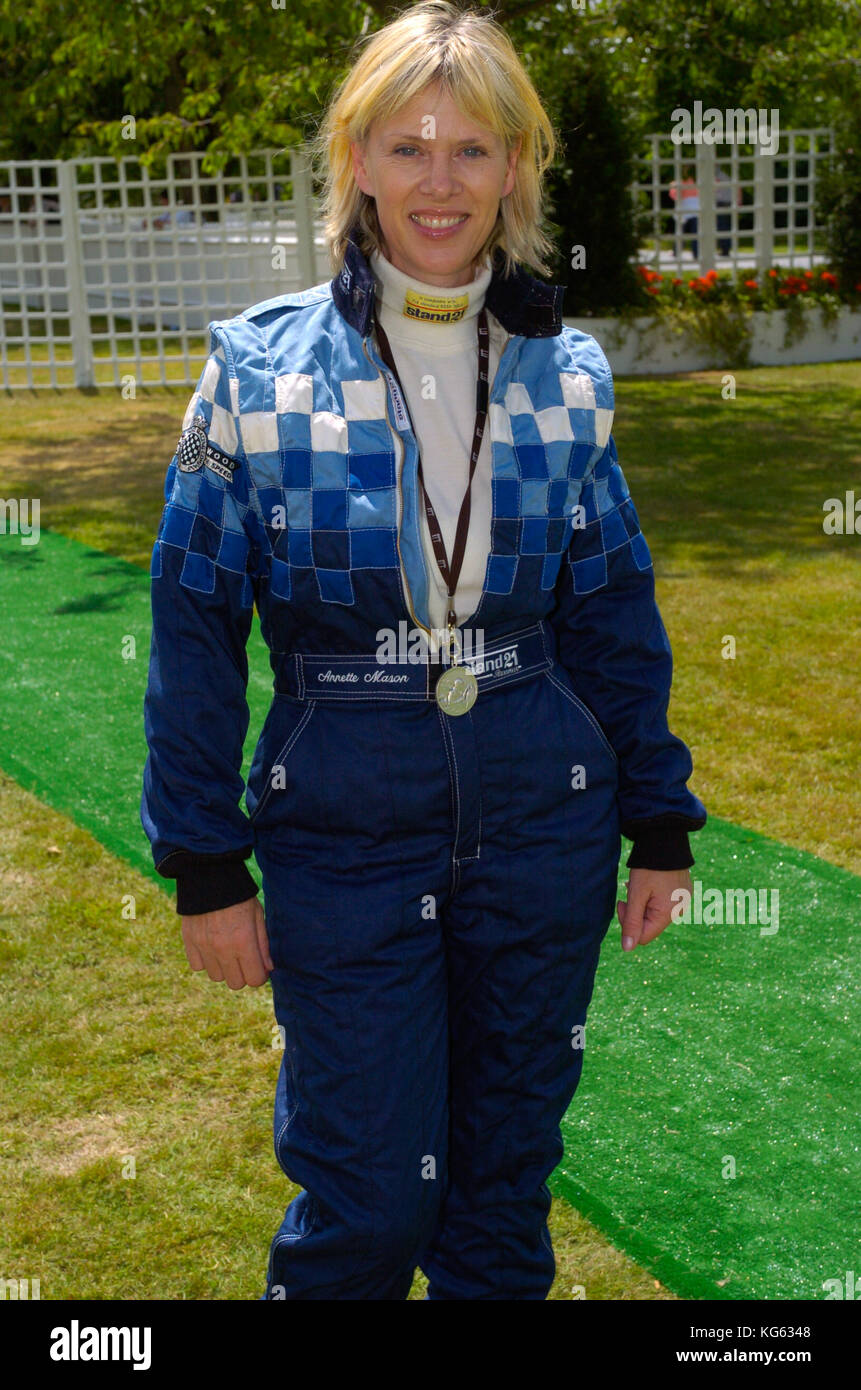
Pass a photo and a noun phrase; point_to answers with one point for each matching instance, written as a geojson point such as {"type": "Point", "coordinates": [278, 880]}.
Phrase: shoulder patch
{"type": "Point", "coordinates": [195, 449]}
{"type": "Point", "coordinates": [192, 446]}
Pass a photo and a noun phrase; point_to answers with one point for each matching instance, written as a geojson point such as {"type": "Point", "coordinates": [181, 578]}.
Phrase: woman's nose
{"type": "Point", "coordinates": [439, 175]}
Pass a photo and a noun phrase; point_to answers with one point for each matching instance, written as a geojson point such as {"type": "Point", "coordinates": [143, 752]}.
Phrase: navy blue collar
{"type": "Point", "coordinates": [525, 306]}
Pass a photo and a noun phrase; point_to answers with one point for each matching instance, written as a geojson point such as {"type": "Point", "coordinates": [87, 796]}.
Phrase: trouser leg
{"type": "Point", "coordinates": [354, 884]}
{"type": "Point", "coordinates": [523, 932]}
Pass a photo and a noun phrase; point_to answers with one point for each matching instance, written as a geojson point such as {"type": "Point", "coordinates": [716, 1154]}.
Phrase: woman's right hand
{"type": "Point", "coordinates": [230, 944]}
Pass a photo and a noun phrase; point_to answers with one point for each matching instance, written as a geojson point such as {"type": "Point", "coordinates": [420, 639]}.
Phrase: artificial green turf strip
{"type": "Point", "coordinates": [715, 1043]}
{"type": "Point", "coordinates": [718, 1044]}
{"type": "Point", "coordinates": [71, 715]}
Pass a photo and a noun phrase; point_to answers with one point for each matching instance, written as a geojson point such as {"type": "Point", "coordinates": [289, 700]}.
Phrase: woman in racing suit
{"type": "Point", "coordinates": [410, 470]}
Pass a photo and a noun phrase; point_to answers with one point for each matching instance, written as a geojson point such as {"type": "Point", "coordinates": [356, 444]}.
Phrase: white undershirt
{"type": "Point", "coordinates": [442, 358]}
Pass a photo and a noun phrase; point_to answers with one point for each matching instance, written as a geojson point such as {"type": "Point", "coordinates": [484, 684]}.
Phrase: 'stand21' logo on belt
{"type": "Point", "coordinates": [498, 664]}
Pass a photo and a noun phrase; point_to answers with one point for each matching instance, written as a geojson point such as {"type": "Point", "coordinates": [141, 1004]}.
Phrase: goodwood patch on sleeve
{"type": "Point", "coordinates": [196, 449]}
{"type": "Point", "coordinates": [191, 449]}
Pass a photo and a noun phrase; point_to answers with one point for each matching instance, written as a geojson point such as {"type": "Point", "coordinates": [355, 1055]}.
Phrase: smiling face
{"type": "Point", "coordinates": [437, 177]}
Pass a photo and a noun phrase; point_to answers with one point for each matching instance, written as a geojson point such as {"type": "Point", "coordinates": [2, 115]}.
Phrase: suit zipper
{"type": "Point", "coordinates": [403, 447]}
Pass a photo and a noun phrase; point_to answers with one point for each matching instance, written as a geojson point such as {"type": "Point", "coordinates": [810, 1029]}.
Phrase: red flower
{"type": "Point", "coordinates": [773, 274]}
{"type": "Point", "coordinates": [677, 282]}
{"type": "Point", "coordinates": [808, 274]}
{"type": "Point", "coordinates": [751, 284]}
{"type": "Point", "coordinates": [803, 286]}
{"type": "Point", "coordinates": [785, 290]}
{"type": "Point", "coordinates": [828, 278]}
{"type": "Point", "coordinates": [858, 287]}
{"type": "Point", "coordinates": [652, 290]}
{"type": "Point", "coordinates": [711, 275]}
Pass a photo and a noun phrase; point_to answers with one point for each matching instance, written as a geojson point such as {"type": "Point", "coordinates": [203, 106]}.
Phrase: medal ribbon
{"type": "Point", "coordinates": [451, 572]}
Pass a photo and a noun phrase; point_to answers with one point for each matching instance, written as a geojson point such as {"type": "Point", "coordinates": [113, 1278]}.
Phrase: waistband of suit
{"type": "Point", "coordinates": [497, 662]}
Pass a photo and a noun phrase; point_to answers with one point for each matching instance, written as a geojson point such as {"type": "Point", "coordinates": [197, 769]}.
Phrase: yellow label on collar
{"type": "Point", "coordinates": [437, 308]}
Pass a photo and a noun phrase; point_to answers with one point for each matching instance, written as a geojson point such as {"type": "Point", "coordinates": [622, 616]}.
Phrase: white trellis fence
{"type": "Point", "coordinates": [108, 272]}
{"type": "Point", "coordinates": [731, 205]}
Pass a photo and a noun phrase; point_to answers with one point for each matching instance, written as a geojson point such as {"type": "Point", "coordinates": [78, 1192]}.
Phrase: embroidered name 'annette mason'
{"type": "Point", "coordinates": [371, 677]}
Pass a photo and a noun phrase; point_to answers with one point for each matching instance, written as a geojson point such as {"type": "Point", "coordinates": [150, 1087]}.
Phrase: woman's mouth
{"type": "Point", "coordinates": [438, 225]}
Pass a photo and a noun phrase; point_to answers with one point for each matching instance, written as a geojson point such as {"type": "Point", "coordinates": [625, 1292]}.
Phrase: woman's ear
{"type": "Point", "coordinates": [511, 168]}
{"type": "Point", "coordinates": [360, 171]}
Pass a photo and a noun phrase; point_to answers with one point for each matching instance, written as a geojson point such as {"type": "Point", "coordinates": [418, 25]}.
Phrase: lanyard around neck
{"type": "Point", "coordinates": [451, 572]}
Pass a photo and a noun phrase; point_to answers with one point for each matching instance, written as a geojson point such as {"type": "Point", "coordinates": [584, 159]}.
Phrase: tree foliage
{"type": "Point", "coordinates": [839, 205]}
{"type": "Point", "coordinates": [232, 76]}
{"type": "Point", "coordinates": [590, 208]}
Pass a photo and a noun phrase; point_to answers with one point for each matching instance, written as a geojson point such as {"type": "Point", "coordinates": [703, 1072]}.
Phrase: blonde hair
{"type": "Point", "coordinates": [476, 63]}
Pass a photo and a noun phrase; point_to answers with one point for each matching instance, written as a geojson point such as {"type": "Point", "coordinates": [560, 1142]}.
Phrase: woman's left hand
{"type": "Point", "coordinates": [649, 906]}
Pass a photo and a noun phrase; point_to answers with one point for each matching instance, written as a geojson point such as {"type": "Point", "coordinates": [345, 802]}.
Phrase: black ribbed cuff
{"type": "Point", "coordinates": [208, 882]}
{"type": "Point", "coordinates": [660, 847]}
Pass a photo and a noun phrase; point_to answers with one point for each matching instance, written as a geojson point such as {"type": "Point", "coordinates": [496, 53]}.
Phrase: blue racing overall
{"type": "Point", "coordinates": [436, 886]}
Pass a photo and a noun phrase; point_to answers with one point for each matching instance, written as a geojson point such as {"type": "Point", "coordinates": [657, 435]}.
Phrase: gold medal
{"type": "Point", "coordinates": [456, 690]}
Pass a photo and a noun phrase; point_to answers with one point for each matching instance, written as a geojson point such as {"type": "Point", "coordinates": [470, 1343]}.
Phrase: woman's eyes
{"type": "Point", "coordinates": [401, 148]}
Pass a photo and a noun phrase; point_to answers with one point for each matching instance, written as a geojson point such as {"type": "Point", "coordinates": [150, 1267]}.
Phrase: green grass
{"type": "Point", "coordinates": [730, 496]}
{"type": "Point", "coordinates": [112, 1048]}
